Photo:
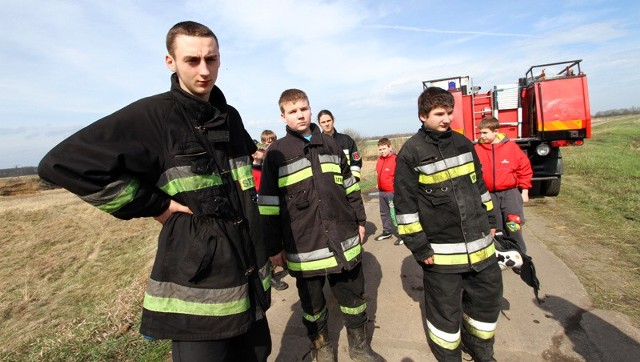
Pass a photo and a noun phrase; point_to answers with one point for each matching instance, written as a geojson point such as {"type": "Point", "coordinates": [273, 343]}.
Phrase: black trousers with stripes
{"type": "Point", "coordinates": [449, 296]}
{"type": "Point", "coordinates": [348, 289]}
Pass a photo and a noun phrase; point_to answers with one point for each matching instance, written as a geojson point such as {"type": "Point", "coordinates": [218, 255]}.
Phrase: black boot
{"type": "Point", "coordinates": [322, 346]}
{"type": "Point", "coordinates": [359, 348]}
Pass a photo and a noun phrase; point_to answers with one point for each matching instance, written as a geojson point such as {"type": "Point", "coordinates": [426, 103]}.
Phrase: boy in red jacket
{"type": "Point", "coordinates": [386, 170]}
{"type": "Point", "coordinates": [506, 170]}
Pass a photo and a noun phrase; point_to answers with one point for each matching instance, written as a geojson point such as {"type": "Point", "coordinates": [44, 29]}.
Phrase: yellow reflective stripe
{"type": "Point", "coordinates": [124, 197]}
{"type": "Point", "coordinates": [174, 305]}
{"type": "Point", "coordinates": [447, 174]}
{"type": "Point", "coordinates": [447, 163]}
{"type": "Point", "coordinates": [356, 174]}
{"type": "Point", "coordinates": [353, 252]}
{"type": "Point", "coordinates": [488, 205]}
{"type": "Point", "coordinates": [449, 341]}
{"type": "Point", "coordinates": [482, 330]}
{"type": "Point", "coordinates": [454, 259]}
{"type": "Point", "coordinates": [483, 254]}
{"type": "Point", "coordinates": [330, 167]}
{"type": "Point", "coordinates": [337, 179]}
{"type": "Point", "coordinates": [313, 265]}
{"type": "Point", "coordinates": [269, 210]}
{"type": "Point", "coordinates": [354, 311]}
{"type": "Point", "coordinates": [352, 188]}
{"type": "Point", "coordinates": [414, 227]}
{"type": "Point", "coordinates": [191, 183]}
{"type": "Point", "coordinates": [315, 317]}
{"type": "Point", "coordinates": [295, 177]}
{"type": "Point", "coordinates": [459, 259]}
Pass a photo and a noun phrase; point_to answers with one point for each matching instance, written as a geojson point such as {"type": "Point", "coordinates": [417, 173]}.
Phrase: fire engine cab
{"type": "Point", "coordinates": [546, 110]}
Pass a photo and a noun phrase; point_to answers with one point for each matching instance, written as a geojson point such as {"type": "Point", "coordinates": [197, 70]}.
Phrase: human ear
{"type": "Point", "coordinates": [171, 64]}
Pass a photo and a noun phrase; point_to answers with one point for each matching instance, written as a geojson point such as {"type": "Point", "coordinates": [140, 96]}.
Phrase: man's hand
{"type": "Point", "coordinates": [428, 261]}
{"type": "Point", "coordinates": [361, 233]}
{"type": "Point", "coordinates": [279, 260]}
{"type": "Point", "coordinates": [174, 206]}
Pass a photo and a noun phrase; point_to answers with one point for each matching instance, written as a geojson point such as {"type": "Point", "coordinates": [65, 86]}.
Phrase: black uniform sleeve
{"type": "Point", "coordinates": [110, 164]}
{"type": "Point", "coordinates": [269, 200]}
{"type": "Point", "coordinates": [406, 203]}
{"type": "Point", "coordinates": [356, 159]}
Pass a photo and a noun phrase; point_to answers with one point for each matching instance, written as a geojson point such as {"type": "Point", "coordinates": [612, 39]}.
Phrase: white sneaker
{"type": "Point", "coordinates": [398, 242]}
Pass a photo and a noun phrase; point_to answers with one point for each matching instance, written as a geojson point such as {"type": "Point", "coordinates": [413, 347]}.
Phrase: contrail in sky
{"type": "Point", "coordinates": [421, 30]}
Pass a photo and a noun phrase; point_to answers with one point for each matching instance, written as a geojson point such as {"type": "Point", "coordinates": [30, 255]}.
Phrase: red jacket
{"type": "Point", "coordinates": [386, 169]}
{"type": "Point", "coordinates": [504, 165]}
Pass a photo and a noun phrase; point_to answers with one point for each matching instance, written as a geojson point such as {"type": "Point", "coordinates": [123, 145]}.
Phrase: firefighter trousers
{"type": "Point", "coordinates": [348, 289]}
{"type": "Point", "coordinates": [507, 204]}
{"type": "Point", "coordinates": [253, 346]}
{"type": "Point", "coordinates": [462, 307]}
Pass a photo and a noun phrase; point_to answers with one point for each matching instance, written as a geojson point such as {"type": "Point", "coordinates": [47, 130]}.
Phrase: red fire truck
{"type": "Point", "coordinates": [542, 112]}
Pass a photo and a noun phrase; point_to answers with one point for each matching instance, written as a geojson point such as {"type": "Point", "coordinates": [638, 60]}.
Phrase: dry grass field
{"type": "Point", "coordinates": [72, 276]}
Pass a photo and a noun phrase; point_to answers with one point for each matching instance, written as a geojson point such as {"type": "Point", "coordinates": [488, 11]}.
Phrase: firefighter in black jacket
{"type": "Point", "coordinates": [348, 145]}
{"type": "Point", "coordinates": [314, 219]}
{"type": "Point", "coordinates": [183, 157]}
{"type": "Point", "coordinates": [443, 210]}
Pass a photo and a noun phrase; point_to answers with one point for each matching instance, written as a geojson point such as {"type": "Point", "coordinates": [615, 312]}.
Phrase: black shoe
{"type": "Point", "coordinates": [384, 235]}
{"type": "Point", "coordinates": [279, 284]}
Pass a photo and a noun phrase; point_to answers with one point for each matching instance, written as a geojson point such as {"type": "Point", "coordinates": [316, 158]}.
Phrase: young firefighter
{"type": "Point", "coordinates": [348, 145]}
{"type": "Point", "coordinates": [386, 170]}
{"type": "Point", "coordinates": [314, 219]}
{"type": "Point", "coordinates": [506, 169]}
{"type": "Point", "coordinates": [443, 210]}
{"type": "Point", "coordinates": [184, 158]}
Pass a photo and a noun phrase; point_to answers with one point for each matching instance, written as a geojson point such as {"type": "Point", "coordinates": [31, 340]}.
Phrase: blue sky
{"type": "Point", "coordinates": [66, 64]}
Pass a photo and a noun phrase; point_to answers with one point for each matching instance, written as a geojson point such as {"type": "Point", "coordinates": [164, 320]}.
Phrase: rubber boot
{"type": "Point", "coordinates": [359, 347]}
{"type": "Point", "coordinates": [323, 349]}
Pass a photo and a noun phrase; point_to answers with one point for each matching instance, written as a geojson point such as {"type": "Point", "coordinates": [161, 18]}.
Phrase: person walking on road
{"type": "Point", "coordinates": [386, 170]}
{"type": "Point", "coordinates": [507, 172]}
{"type": "Point", "coordinates": [314, 218]}
{"type": "Point", "coordinates": [184, 158]}
{"type": "Point", "coordinates": [444, 215]}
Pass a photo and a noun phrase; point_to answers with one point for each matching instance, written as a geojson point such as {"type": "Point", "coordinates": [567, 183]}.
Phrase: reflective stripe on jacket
{"type": "Point", "coordinates": [211, 276]}
{"type": "Point", "coordinates": [311, 205]}
{"type": "Point", "coordinates": [443, 208]}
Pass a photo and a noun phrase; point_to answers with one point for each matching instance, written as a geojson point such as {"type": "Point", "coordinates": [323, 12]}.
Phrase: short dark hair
{"type": "Point", "coordinates": [434, 97]}
{"type": "Point", "coordinates": [327, 112]}
{"type": "Point", "coordinates": [189, 28]}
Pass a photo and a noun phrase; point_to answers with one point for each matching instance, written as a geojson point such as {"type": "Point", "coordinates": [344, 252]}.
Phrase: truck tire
{"type": "Point", "coordinates": [552, 187]}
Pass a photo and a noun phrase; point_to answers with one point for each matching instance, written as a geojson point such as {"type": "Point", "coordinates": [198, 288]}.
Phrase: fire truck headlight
{"type": "Point", "coordinates": [543, 149]}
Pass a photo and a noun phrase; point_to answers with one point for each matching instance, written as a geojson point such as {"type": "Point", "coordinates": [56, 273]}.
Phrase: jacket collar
{"type": "Point", "coordinates": [211, 114]}
{"type": "Point", "coordinates": [434, 136]}
{"type": "Point", "coordinates": [316, 137]}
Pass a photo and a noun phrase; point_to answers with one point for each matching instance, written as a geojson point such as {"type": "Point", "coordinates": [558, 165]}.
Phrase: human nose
{"type": "Point", "coordinates": [203, 69]}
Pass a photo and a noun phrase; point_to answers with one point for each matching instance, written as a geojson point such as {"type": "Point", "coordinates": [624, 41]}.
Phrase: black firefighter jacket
{"type": "Point", "coordinates": [211, 275]}
{"type": "Point", "coordinates": [350, 149]}
{"type": "Point", "coordinates": [443, 208]}
{"type": "Point", "coordinates": [311, 205]}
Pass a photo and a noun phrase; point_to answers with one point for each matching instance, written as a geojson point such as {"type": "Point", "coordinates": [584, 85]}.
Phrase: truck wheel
{"type": "Point", "coordinates": [552, 187]}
